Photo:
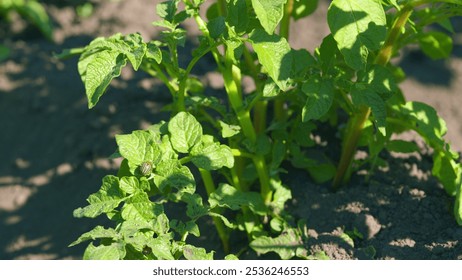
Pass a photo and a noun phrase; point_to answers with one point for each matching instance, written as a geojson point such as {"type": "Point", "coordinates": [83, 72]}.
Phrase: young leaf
{"type": "Point", "coordinates": [105, 200]}
{"type": "Point", "coordinates": [358, 26]}
{"type": "Point", "coordinates": [435, 45]}
{"type": "Point", "coordinates": [274, 53]}
{"type": "Point", "coordinates": [285, 245]}
{"type": "Point", "coordinates": [228, 196]}
{"type": "Point", "coordinates": [139, 146]}
{"type": "Point", "coordinates": [320, 94]}
{"type": "Point", "coordinates": [229, 130]}
{"type": "Point", "coordinates": [115, 251]}
{"type": "Point", "coordinates": [269, 13]}
{"type": "Point", "coordinates": [185, 132]}
{"type": "Point", "coordinates": [97, 232]}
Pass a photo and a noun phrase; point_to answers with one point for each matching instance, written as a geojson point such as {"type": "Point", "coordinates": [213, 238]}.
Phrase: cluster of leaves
{"type": "Point", "coordinates": [349, 74]}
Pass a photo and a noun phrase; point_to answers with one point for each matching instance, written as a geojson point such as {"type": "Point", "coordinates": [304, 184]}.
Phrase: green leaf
{"type": "Point", "coordinates": [302, 61]}
{"type": "Point", "coordinates": [140, 208]}
{"type": "Point", "coordinates": [97, 232]}
{"type": "Point", "coordinates": [448, 172]}
{"type": "Point", "coordinates": [357, 26]}
{"type": "Point", "coordinates": [229, 130]}
{"type": "Point", "coordinates": [304, 8]}
{"type": "Point", "coordinates": [275, 54]}
{"type": "Point", "coordinates": [320, 94]}
{"type": "Point", "coordinates": [185, 132]}
{"type": "Point", "coordinates": [231, 257]}
{"type": "Point", "coordinates": [401, 146]}
{"type": "Point", "coordinates": [161, 248]}
{"type": "Point", "coordinates": [105, 200]}
{"type": "Point", "coordinates": [137, 49]}
{"type": "Point", "coordinates": [216, 27]}
{"type": "Point", "coordinates": [195, 207]}
{"type": "Point", "coordinates": [238, 15]}
{"type": "Point", "coordinates": [269, 13]}
{"type": "Point", "coordinates": [129, 184]}
{"type": "Point", "coordinates": [426, 120]}
{"type": "Point", "coordinates": [4, 52]}
{"type": "Point", "coordinates": [381, 80]}
{"type": "Point", "coordinates": [369, 98]}
{"type": "Point", "coordinates": [103, 67]}
{"type": "Point", "coordinates": [154, 52]}
{"type": "Point", "coordinates": [458, 205]}
{"type": "Point", "coordinates": [281, 195]}
{"type": "Point", "coordinates": [167, 9]}
{"type": "Point", "coordinates": [139, 146]}
{"type": "Point", "coordinates": [115, 251]}
{"type": "Point", "coordinates": [170, 175]}
{"type": "Point", "coordinates": [212, 156]}
{"type": "Point", "coordinates": [285, 245]}
{"type": "Point", "coordinates": [229, 197]}
{"type": "Point", "coordinates": [194, 253]}
{"type": "Point", "coordinates": [36, 14]}
{"type": "Point", "coordinates": [435, 45]}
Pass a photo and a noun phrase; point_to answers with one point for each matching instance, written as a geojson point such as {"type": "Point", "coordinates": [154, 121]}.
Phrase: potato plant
{"type": "Point", "coordinates": [348, 84]}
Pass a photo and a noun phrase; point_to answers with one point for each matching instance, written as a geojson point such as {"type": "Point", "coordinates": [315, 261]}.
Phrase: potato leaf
{"type": "Point", "coordinates": [357, 26]}
{"type": "Point", "coordinates": [139, 146]}
{"type": "Point", "coordinates": [105, 200]}
{"type": "Point", "coordinates": [96, 233]}
{"type": "Point", "coordinates": [185, 132]}
{"type": "Point", "coordinates": [269, 13]}
{"type": "Point", "coordinates": [320, 97]}
{"type": "Point", "coordinates": [435, 45]}
{"type": "Point", "coordinates": [114, 251]}
{"type": "Point", "coordinates": [212, 156]}
{"type": "Point", "coordinates": [285, 245]}
{"type": "Point", "coordinates": [274, 53]}
{"type": "Point", "coordinates": [229, 197]}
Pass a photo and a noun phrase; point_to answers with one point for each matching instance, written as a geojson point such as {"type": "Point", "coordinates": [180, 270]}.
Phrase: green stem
{"type": "Point", "coordinates": [357, 121]}
{"type": "Point", "coordinates": [221, 229]}
{"type": "Point", "coordinates": [280, 113]}
{"type": "Point", "coordinates": [232, 80]}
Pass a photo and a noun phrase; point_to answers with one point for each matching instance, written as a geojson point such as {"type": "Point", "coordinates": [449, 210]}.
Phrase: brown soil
{"type": "Point", "coordinates": [54, 150]}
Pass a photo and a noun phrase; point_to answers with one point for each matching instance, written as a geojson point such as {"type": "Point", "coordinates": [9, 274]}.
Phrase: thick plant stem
{"type": "Point", "coordinates": [221, 229]}
{"type": "Point", "coordinates": [356, 123]}
{"type": "Point", "coordinates": [354, 128]}
{"type": "Point", "coordinates": [280, 113]}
